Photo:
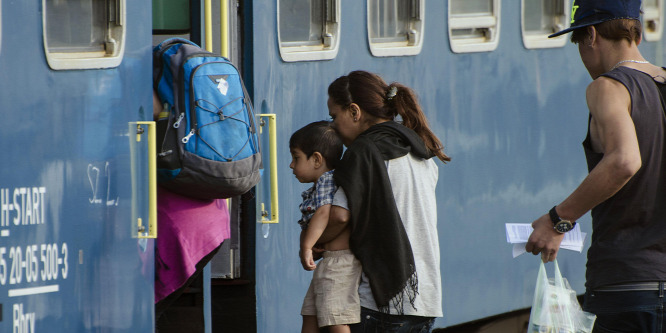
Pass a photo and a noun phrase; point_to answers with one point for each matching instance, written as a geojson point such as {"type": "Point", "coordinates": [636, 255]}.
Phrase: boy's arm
{"type": "Point", "coordinates": [311, 234]}
{"type": "Point", "coordinates": [306, 257]}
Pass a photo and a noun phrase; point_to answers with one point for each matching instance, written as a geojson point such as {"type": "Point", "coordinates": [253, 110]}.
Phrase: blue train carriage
{"type": "Point", "coordinates": [75, 253]}
{"type": "Point", "coordinates": [508, 103]}
{"type": "Point", "coordinates": [74, 216]}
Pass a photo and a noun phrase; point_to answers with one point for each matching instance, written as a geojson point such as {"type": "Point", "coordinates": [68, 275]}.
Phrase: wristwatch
{"type": "Point", "coordinates": [559, 224]}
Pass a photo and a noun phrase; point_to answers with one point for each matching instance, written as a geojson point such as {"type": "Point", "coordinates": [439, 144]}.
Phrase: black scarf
{"type": "Point", "coordinates": [378, 237]}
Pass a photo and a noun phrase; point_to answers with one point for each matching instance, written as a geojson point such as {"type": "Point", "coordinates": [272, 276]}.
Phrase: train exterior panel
{"type": "Point", "coordinates": [68, 261]}
{"type": "Point", "coordinates": [75, 167]}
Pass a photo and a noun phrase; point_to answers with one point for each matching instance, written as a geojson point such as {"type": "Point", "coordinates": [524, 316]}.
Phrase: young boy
{"type": "Point", "coordinates": [332, 299]}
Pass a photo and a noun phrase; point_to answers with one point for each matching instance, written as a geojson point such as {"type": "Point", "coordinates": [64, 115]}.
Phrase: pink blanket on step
{"type": "Point", "coordinates": [187, 230]}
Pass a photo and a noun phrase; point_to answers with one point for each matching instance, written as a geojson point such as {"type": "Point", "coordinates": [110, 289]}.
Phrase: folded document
{"type": "Point", "coordinates": [518, 233]}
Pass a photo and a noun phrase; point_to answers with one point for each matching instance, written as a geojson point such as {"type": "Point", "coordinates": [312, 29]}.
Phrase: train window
{"type": "Point", "coordinates": [541, 18]}
{"type": "Point", "coordinates": [83, 34]}
{"type": "Point", "coordinates": [308, 29]}
{"type": "Point", "coordinates": [395, 27]}
{"type": "Point", "coordinates": [653, 15]}
{"type": "Point", "coordinates": [474, 25]}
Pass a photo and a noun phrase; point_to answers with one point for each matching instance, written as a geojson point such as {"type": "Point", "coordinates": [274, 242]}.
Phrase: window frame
{"type": "Point", "coordinates": [541, 40]}
{"type": "Point", "coordinates": [0, 27]}
{"type": "Point", "coordinates": [402, 48]}
{"type": "Point", "coordinates": [93, 59]}
{"type": "Point", "coordinates": [327, 49]}
{"type": "Point", "coordinates": [491, 23]}
{"type": "Point", "coordinates": [653, 15]}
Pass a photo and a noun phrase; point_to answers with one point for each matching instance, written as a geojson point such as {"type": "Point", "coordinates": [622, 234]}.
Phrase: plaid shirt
{"type": "Point", "coordinates": [321, 193]}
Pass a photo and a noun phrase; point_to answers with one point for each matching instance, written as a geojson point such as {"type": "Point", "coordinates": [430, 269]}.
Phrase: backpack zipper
{"type": "Point", "coordinates": [188, 136]}
{"type": "Point", "coordinates": [180, 118]}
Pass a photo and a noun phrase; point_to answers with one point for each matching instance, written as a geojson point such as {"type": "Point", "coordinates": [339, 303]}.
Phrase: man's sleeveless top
{"type": "Point", "coordinates": [629, 229]}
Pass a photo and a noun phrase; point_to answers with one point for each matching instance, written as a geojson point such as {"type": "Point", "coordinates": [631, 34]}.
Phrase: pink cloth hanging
{"type": "Point", "coordinates": [187, 230]}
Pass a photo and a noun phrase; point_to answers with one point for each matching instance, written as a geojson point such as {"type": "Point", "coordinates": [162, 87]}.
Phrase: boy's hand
{"type": "Point", "coordinates": [307, 260]}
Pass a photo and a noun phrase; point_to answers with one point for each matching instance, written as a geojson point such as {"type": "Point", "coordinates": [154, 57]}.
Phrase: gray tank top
{"type": "Point", "coordinates": [629, 229]}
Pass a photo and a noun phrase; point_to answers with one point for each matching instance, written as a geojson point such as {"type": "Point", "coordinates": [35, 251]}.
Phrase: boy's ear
{"type": "Point", "coordinates": [318, 159]}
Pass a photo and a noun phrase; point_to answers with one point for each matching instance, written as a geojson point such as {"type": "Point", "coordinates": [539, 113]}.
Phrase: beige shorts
{"type": "Point", "coordinates": [333, 292]}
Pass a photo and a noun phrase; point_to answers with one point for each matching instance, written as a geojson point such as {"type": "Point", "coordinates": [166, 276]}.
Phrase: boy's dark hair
{"type": "Point", "coordinates": [318, 137]}
{"type": "Point", "coordinates": [615, 30]}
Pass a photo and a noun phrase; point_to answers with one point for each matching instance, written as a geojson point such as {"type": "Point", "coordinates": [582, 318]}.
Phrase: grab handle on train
{"type": "Point", "coordinates": [272, 148]}
{"type": "Point", "coordinates": [144, 179]}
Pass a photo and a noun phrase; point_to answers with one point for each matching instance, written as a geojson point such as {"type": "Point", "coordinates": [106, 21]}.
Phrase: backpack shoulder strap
{"type": "Point", "coordinates": [158, 51]}
{"type": "Point", "coordinates": [172, 41]}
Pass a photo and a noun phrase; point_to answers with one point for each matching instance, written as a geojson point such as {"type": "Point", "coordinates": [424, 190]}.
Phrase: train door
{"type": "Point", "coordinates": [232, 281]}
{"type": "Point", "coordinates": [74, 193]}
{"type": "Point", "coordinates": [223, 297]}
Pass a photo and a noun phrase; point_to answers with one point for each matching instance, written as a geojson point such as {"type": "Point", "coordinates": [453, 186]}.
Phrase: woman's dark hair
{"type": "Point", "coordinates": [375, 97]}
{"type": "Point", "coordinates": [318, 137]}
{"type": "Point", "coordinates": [615, 30]}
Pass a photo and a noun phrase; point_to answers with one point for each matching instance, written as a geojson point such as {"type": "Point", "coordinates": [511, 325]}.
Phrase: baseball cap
{"type": "Point", "coordinates": [590, 12]}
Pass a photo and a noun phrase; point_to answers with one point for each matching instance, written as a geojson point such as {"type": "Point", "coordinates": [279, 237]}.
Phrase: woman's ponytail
{"type": "Point", "coordinates": [370, 92]}
{"type": "Point", "coordinates": [406, 105]}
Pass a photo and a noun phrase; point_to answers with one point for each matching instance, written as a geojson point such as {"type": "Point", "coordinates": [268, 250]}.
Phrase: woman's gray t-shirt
{"type": "Point", "coordinates": [413, 181]}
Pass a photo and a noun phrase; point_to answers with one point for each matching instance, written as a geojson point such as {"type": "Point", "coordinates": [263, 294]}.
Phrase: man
{"type": "Point", "coordinates": [626, 186]}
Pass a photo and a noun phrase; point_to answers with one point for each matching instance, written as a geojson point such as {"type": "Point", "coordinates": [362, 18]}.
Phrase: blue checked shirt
{"type": "Point", "coordinates": [321, 193]}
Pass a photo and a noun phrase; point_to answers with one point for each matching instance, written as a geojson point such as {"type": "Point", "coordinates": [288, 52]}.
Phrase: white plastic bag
{"type": "Point", "coordinates": [555, 308]}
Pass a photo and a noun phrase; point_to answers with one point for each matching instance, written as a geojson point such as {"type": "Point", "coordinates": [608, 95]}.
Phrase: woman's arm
{"type": "Point", "coordinates": [337, 222]}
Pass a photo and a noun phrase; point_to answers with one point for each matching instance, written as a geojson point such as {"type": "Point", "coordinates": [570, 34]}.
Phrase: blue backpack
{"type": "Point", "coordinates": [207, 143]}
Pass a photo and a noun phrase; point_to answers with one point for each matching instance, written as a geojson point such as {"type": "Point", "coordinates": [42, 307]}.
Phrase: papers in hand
{"type": "Point", "coordinates": [518, 233]}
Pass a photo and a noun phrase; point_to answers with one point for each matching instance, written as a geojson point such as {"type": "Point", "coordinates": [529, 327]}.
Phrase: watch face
{"type": "Point", "coordinates": [563, 226]}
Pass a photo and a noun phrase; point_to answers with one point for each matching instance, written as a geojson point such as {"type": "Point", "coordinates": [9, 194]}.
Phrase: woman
{"type": "Point", "coordinates": [387, 178]}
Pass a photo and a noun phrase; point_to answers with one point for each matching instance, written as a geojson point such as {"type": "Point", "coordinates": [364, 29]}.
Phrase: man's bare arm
{"type": "Point", "coordinates": [613, 133]}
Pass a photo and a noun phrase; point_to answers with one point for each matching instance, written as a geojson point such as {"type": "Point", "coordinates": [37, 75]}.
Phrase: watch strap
{"type": "Point", "coordinates": [556, 219]}
{"type": "Point", "coordinates": [553, 215]}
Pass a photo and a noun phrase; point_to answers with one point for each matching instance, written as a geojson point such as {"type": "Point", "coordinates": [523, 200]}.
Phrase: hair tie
{"type": "Point", "coordinates": [393, 90]}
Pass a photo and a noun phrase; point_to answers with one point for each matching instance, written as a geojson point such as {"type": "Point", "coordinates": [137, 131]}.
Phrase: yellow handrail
{"type": "Point", "coordinates": [272, 147]}
{"type": "Point", "coordinates": [208, 23]}
{"type": "Point", "coordinates": [224, 28]}
{"type": "Point", "coordinates": [224, 46]}
{"type": "Point", "coordinates": [152, 179]}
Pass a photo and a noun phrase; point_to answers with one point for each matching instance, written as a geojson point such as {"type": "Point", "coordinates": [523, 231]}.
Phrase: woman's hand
{"type": "Point", "coordinates": [318, 252]}
{"type": "Point", "coordinates": [307, 259]}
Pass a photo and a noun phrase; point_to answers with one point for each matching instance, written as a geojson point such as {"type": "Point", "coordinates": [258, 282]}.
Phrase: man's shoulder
{"type": "Point", "coordinates": [603, 84]}
{"type": "Point", "coordinates": [605, 90]}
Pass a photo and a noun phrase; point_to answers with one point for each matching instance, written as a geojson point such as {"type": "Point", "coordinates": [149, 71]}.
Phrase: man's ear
{"type": "Point", "coordinates": [318, 160]}
{"type": "Point", "coordinates": [591, 35]}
